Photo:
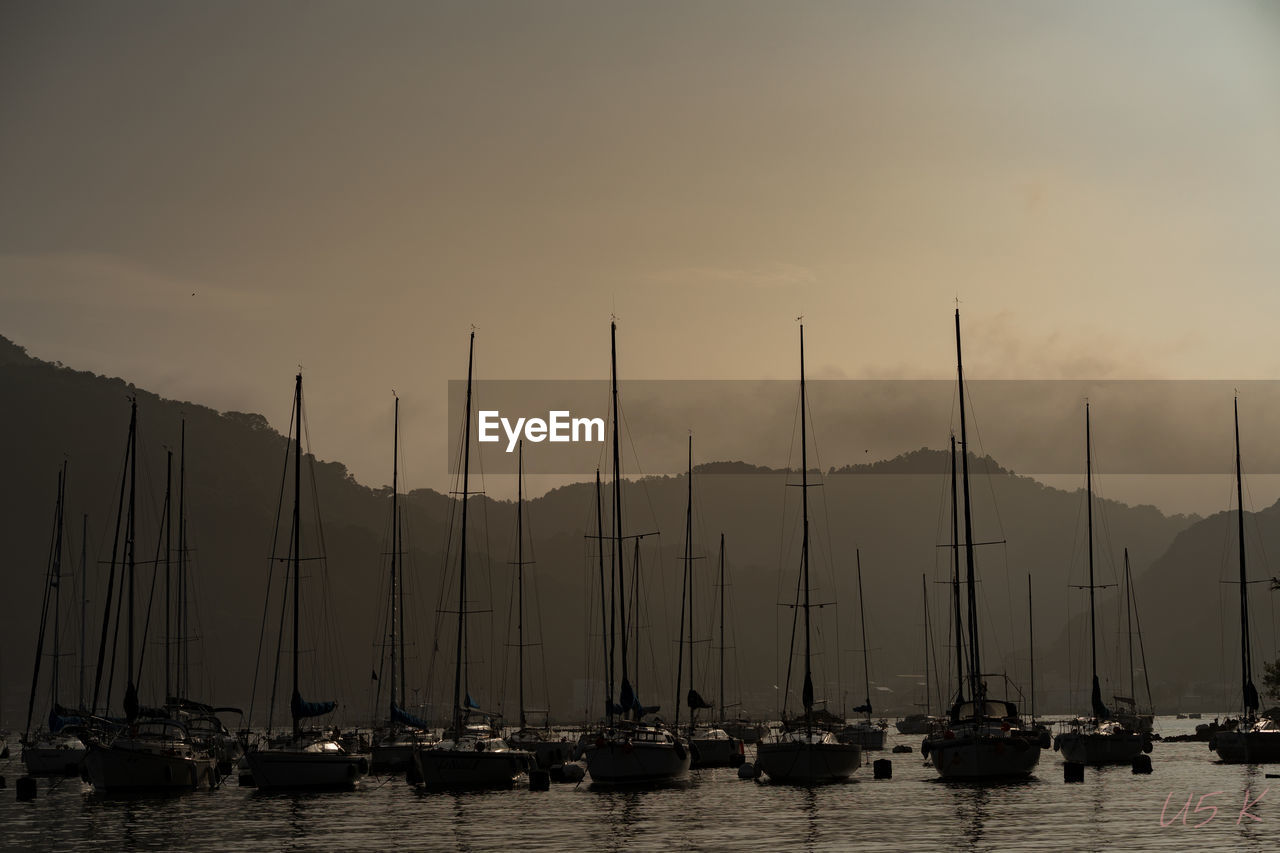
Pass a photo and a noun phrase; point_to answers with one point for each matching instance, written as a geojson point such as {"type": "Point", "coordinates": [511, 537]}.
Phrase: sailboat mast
{"type": "Point", "coordinates": [975, 675]}
{"type": "Point", "coordinates": [462, 562]}
{"type": "Point", "coordinates": [1128, 612]}
{"type": "Point", "coordinates": [862, 618]}
{"type": "Point", "coordinates": [606, 613]}
{"type": "Point", "coordinates": [924, 597]}
{"type": "Point", "coordinates": [84, 605]}
{"type": "Point", "coordinates": [955, 573]}
{"type": "Point", "coordinates": [297, 546]}
{"type": "Point", "coordinates": [1142, 653]}
{"type": "Point", "coordinates": [110, 576]}
{"type": "Point", "coordinates": [722, 594]}
{"type": "Point", "coordinates": [1246, 663]}
{"type": "Point", "coordinates": [807, 692]}
{"type": "Point", "coordinates": [1093, 615]}
{"type": "Point", "coordinates": [130, 529]}
{"type": "Point", "coordinates": [395, 545]}
{"type": "Point", "coordinates": [686, 601]}
{"type": "Point", "coordinates": [1031, 634]}
{"type": "Point", "coordinates": [625, 693]}
{"type": "Point", "coordinates": [168, 578]}
{"type": "Point", "coordinates": [56, 580]}
{"type": "Point", "coordinates": [635, 604]}
{"type": "Point", "coordinates": [184, 664]}
{"type": "Point", "coordinates": [520, 570]}
{"type": "Point", "coordinates": [49, 586]}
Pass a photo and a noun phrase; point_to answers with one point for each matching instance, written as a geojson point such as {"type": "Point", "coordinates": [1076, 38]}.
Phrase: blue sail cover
{"type": "Point", "coordinates": [641, 710]}
{"type": "Point", "coordinates": [57, 722]}
{"type": "Point", "coordinates": [302, 709]}
{"type": "Point", "coordinates": [400, 715]}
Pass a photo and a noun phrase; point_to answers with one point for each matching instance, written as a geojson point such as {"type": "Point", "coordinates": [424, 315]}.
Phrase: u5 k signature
{"type": "Point", "coordinates": [1205, 811]}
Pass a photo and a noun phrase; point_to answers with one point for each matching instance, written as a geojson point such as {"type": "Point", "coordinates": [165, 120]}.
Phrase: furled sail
{"type": "Point", "coordinates": [400, 715]}
{"type": "Point", "coordinates": [302, 709]}
{"type": "Point", "coordinates": [1099, 710]}
{"type": "Point", "coordinates": [696, 701]}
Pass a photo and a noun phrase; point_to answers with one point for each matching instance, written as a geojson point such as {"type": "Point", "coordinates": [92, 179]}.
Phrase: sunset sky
{"type": "Point", "coordinates": [199, 197]}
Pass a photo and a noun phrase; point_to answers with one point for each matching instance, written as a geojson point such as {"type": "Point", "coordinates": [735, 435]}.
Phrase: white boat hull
{"type": "Point", "coordinates": [970, 757]}
{"type": "Point", "coordinates": [296, 770]}
{"type": "Point", "coordinates": [441, 767]}
{"type": "Point", "coordinates": [118, 769]}
{"type": "Point", "coordinates": [793, 762]}
{"type": "Point", "coordinates": [636, 763]}
{"type": "Point", "coordinates": [1097, 748]}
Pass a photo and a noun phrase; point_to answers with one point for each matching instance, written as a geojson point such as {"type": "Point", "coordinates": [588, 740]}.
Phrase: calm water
{"type": "Point", "coordinates": [1112, 810]}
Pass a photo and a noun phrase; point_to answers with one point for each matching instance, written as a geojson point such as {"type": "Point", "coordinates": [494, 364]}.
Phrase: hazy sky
{"type": "Point", "coordinates": [199, 197]}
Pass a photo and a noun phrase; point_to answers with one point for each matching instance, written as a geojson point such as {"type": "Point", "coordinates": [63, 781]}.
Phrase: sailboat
{"type": "Point", "coordinates": [804, 751]}
{"type": "Point", "coordinates": [550, 749]}
{"type": "Point", "coordinates": [153, 752]}
{"type": "Point", "coordinates": [627, 750]}
{"type": "Point", "coordinates": [864, 733]}
{"type": "Point", "coordinates": [1128, 712]}
{"type": "Point", "coordinates": [921, 723]}
{"type": "Point", "coordinates": [52, 750]}
{"type": "Point", "coordinates": [740, 729]}
{"type": "Point", "coordinates": [203, 724]}
{"type": "Point", "coordinates": [1254, 740]}
{"type": "Point", "coordinates": [392, 747]}
{"type": "Point", "coordinates": [1098, 738]}
{"type": "Point", "coordinates": [983, 739]}
{"type": "Point", "coordinates": [471, 754]}
{"type": "Point", "coordinates": [710, 745]}
{"type": "Point", "coordinates": [306, 759]}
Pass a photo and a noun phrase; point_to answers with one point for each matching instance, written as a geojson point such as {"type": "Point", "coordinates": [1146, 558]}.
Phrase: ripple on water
{"type": "Point", "coordinates": [1112, 809]}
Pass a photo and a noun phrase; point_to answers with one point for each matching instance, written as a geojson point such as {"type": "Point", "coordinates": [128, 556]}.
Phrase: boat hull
{"type": "Point", "coordinates": [637, 763]}
{"type": "Point", "coordinates": [53, 760]}
{"type": "Point", "coordinates": [969, 757]}
{"type": "Point", "coordinates": [297, 770]}
{"type": "Point", "coordinates": [870, 738]}
{"type": "Point", "coordinates": [1094, 748]}
{"type": "Point", "coordinates": [117, 769]}
{"type": "Point", "coordinates": [918, 724]}
{"type": "Point", "coordinates": [800, 763]}
{"type": "Point", "coordinates": [469, 768]}
{"type": "Point", "coordinates": [1249, 747]}
{"type": "Point", "coordinates": [715, 752]}
{"type": "Point", "coordinates": [546, 753]}
{"type": "Point", "coordinates": [391, 756]}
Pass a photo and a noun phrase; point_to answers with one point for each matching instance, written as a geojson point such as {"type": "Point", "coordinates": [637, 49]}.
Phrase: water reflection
{"type": "Point", "coordinates": [971, 808]}
{"type": "Point", "coordinates": [809, 808]}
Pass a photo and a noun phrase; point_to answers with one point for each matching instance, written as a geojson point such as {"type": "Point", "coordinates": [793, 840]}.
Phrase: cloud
{"type": "Point", "coordinates": [775, 276]}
